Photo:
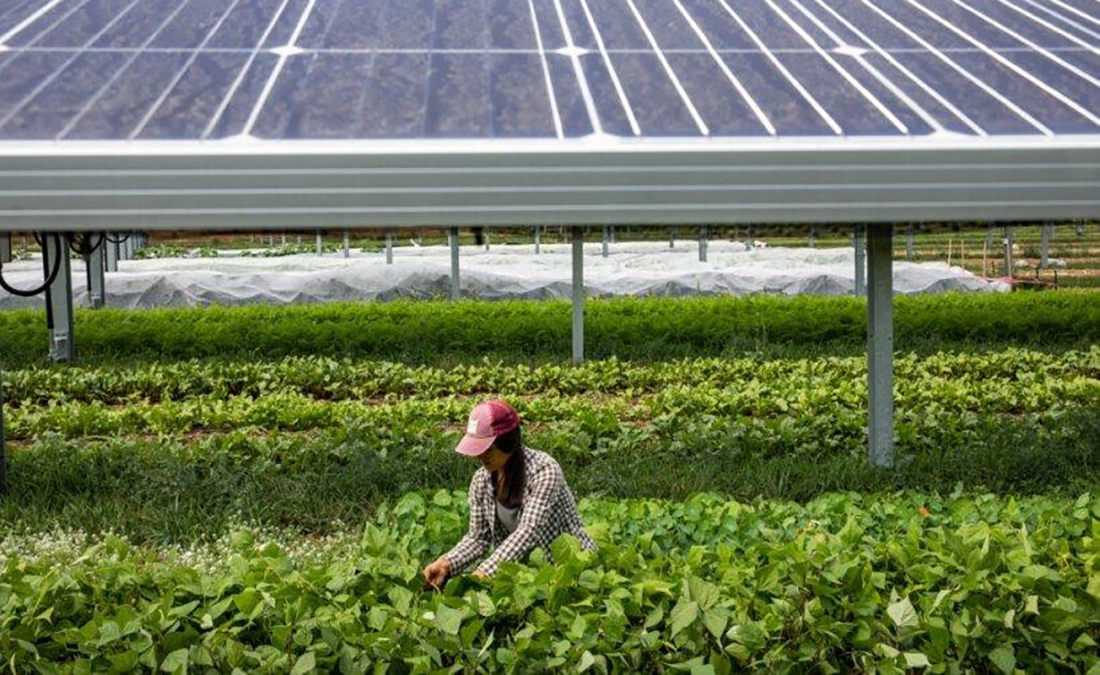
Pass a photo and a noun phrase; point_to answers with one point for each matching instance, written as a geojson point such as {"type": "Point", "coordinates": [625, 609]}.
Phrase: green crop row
{"type": "Point", "coordinates": [631, 328]}
{"type": "Point", "coordinates": [892, 584]}
{"type": "Point", "coordinates": [919, 402]}
{"type": "Point", "coordinates": [942, 376]}
{"type": "Point", "coordinates": [182, 488]}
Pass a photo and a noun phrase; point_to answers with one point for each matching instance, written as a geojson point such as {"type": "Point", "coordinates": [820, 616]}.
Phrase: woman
{"type": "Point", "coordinates": [518, 498]}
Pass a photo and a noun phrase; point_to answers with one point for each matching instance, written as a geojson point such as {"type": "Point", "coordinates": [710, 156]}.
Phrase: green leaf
{"type": "Point", "coordinates": [903, 614]}
{"type": "Point", "coordinates": [305, 663]}
{"type": "Point", "coordinates": [449, 620]}
{"type": "Point", "coordinates": [916, 660]}
{"type": "Point", "coordinates": [247, 600]}
{"type": "Point", "coordinates": [176, 661]}
{"type": "Point", "coordinates": [683, 614]}
{"type": "Point", "coordinates": [654, 617]}
{"type": "Point", "coordinates": [124, 661]}
{"type": "Point", "coordinates": [1004, 657]}
{"type": "Point", "coordinates": [586, 662]}
{"type": "Point", "coordinates": [715, 620]}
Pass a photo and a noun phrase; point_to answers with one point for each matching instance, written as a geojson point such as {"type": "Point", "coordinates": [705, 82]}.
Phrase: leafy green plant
{"type": "Point", "coordinates": [892, 583]}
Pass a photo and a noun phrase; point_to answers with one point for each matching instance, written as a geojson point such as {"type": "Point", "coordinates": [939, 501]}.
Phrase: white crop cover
{"type": "Point", "coordinates": [503, 272]}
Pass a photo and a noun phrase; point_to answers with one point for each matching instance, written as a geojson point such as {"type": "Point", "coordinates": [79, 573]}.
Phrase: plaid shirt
{"type": "Point", "coordinates": [547, 510]}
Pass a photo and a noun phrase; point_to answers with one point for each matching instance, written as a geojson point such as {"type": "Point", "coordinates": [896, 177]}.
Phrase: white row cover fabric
{"type": "Point", "coordinates": [504, 272]}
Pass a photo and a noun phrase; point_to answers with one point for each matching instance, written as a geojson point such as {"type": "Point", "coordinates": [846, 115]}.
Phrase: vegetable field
{"type": "Point", "coordinates": [259, 488]}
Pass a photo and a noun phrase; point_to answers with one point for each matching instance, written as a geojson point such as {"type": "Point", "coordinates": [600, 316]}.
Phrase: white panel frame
{"type": "Point", "coordinates": [286, 184]}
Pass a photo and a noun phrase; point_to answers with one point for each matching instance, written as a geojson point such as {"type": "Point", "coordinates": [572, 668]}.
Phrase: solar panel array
{"type": "Point", "coordinates": [289, 69]}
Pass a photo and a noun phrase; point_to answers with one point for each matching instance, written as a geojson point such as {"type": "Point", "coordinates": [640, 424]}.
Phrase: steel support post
{"type": "Point", "coordinates": [299, 240]}
{"type": "Point", "coordinates": [538, 239]}
{"type": "Point", "coordinates": [123, 247]}
{"type": "Point", "coordinates": [861, 263]}
{"type": "Point", "coordinates": [96, 267]}
{"type": "Point", "coordinates": [704, 235]}
{"type": "Point", "coordinates": [748, 238]}
{"type": "Point", "coordinates": [606, 237]}
{"type": "Point", "coordinates": [909, 253]}
{"type": "Point", "coordinates": [1078, 229]}
{"type": "Point", "coordinates": [320, 250]}
{"type": "Point", "coordinates": [611, 234]}
{"type": "Point", "coordinates": [813, 237]}
{"type": "Point", "coordinates": [671, 237]}
{"type": "Point", "coordinates": [578, 295]}
{"type": "Point", "coordinates": [347, 244]}
{"type": "Point", "coordinates": [5, 247]}
{"type": "Point", "coordinates": [60, 300]}
{"type": "Point", "coordinates": [456, 282]}
{"type": "Point", "coordinates": [487, 234]}
{"type": "Point", "coordinates": [389, 247]}
{"type": "Point", "coordinates": [1044, 246]}
{"type": "Point", "coordinates": [1009, 262]}
{"type": "Point", "coordinates": [110, 252]}
{"type": "Point", "coordinates": [880, 346]}
{"type": "Point", "coordinates": [282, 238]}
{"type": "Point", "coordinates": [989, 239]}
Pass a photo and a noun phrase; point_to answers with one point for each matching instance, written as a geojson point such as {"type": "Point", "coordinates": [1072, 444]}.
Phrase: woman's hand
{"type": "Point", "coordinates": [438, 572]}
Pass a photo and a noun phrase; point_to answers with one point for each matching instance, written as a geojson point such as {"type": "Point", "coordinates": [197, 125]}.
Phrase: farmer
{"type": "Point", "coordinates": [518, 498]}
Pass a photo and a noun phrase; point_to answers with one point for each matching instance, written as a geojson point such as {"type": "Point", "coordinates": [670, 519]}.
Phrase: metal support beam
{"type": "Point", "coordinates": [456, 282]}
{"type": "Point", "coordinates": [611, 232]}
{"type": "Point", "coordinates": [538, 239]}
{"type": "Point", "coordinates": [704, 235]}
{"type": "Point", "coordinates": [320, 250]}
{"type": "Point", "coordinates": [748, 238]}
{"type": "Point", "coordinates": [671, 237]}
{"type": "Point", "coordinates": [96, 267]}
{"type": "Point", "coordinates": [909, 244]}
{"type": "Point", "coordinates": [1044, 246]}
{"type": "Point", "coordinates": [389, 247]}
{"type": "Point", "coordinates": [282, 238]}
{"type": "Point", "coordinates": [606, 237]}
{"type": "Point", "coordinates": [880, 346]}
{"type": "Point", "coordinates": [1009, 262]}
{"type": "Point", "coordinates": [578, 294]}
{"type": "Point", "coordinates": [5, 247]}
{"type": "Point", "coordinates": [60, 300]}
{"type": "Point", "coordinates": [813, 237]}
{"type": "Point", "coordinates": [487, 233]}
{"type": "Point", "coordinates": [113, 252]}
{"type": "Point", "coordinates": [861, 263]}
{"type": "Point", "coordinates": [347, 244]}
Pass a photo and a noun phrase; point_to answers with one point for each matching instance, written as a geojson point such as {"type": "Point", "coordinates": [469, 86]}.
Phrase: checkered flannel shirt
{"type": "Point", "coordinates": [547, 510]}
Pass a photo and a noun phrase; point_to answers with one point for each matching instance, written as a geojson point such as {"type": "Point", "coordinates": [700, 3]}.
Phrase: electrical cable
{"type": "Point", "coordinates": [51, 275]}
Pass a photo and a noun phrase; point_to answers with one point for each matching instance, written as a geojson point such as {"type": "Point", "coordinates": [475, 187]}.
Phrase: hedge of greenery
{"type": "Point", "coordinates": [630, 328]}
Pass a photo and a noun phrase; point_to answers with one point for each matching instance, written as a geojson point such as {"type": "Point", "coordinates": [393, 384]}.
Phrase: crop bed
{"type": "Point", "coordinates": [846, 582]}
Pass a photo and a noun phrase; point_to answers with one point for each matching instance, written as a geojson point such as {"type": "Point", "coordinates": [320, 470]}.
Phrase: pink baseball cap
{"type": "Point", "coordinates": [487, 421]}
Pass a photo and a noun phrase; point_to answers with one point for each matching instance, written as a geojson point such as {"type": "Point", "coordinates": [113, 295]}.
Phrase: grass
{"type": "Point", "coordinates": [642, 329]}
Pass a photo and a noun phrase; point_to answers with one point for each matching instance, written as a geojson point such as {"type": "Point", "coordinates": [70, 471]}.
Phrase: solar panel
{"type": "Point", "coordinates": [488, 69]}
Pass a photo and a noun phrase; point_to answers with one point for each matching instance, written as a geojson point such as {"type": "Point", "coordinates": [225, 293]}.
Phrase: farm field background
{"type": "Point", "coordinates": [258, 487]}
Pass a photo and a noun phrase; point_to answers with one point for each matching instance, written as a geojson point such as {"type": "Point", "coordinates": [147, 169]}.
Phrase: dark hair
{"type": "Point", "coordinates": [511, 444]}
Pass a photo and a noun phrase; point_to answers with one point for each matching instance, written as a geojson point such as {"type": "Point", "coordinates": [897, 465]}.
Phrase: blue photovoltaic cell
{"type": "Point", "coordinates": [405, 69]}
